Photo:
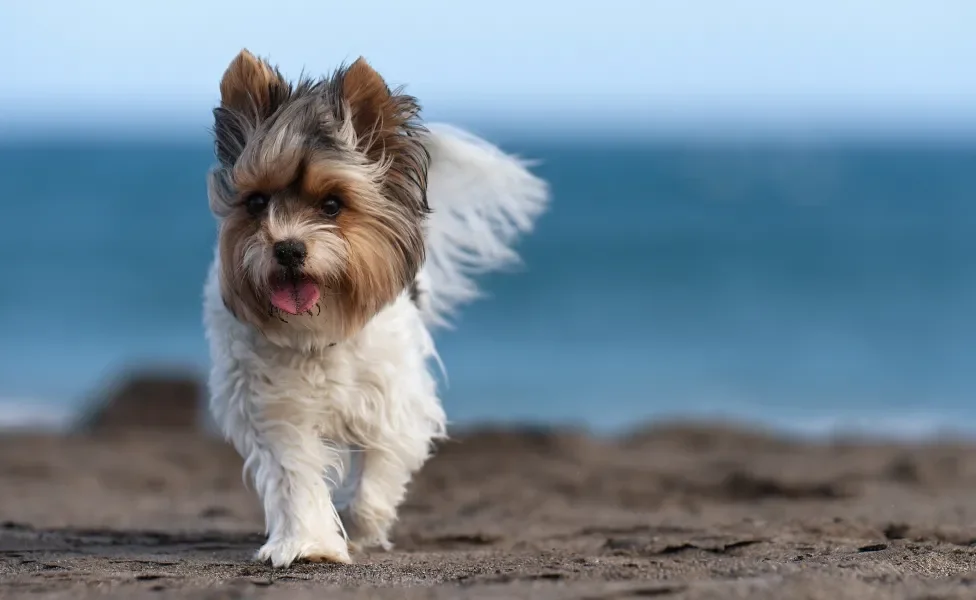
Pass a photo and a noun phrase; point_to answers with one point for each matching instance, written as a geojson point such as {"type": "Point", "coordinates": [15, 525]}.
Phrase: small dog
{"type": "Point", "coordinates": [348, 231]}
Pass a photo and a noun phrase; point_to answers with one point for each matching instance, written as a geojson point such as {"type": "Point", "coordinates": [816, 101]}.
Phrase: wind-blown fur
{"type": "Point", "coordinates": [336, 408]}
{"type": "Point", "coordinates": [482, 199]}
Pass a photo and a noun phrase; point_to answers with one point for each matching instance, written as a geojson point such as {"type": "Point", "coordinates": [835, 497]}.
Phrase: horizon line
{"type": "Point", "coordinates": [182, 125]}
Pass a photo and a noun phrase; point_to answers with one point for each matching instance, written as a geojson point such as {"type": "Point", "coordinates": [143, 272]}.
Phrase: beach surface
{"type": "Point", "coordinates": [672, 511]}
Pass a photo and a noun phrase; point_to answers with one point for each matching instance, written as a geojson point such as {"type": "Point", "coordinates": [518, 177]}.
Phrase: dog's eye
{"type": "Point", "coordinates": [332, 205]}
{"type": "Point", "coordinates": [256, 203]}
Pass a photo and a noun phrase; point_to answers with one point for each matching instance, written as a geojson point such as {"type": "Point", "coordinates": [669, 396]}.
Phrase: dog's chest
{"type": "Point", "coordinates": [356, 379]}
{"type": "Point", "coordinates": [326, 385]}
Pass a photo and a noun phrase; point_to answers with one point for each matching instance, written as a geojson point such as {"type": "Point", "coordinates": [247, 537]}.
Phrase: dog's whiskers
{"type": "Point", "coordinates": [318, 310]}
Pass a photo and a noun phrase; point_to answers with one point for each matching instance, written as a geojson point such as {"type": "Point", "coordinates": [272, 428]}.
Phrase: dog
{"type": "Point", "coordinates": [348, 231]}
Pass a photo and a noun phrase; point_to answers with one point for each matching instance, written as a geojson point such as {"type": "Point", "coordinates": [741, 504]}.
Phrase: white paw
{"type": "Point", "coordinates": [364, 538]}
{"type": "Point", "coordinates": [370, 529]}
{"type": "Point", "coordinates": [359, 545]}
{"type": "Point", "coordinates": [284, 551]}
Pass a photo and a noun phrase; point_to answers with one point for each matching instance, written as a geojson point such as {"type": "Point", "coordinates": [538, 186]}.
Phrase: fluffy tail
{"type": "Point", "coordinates": [481, 199]}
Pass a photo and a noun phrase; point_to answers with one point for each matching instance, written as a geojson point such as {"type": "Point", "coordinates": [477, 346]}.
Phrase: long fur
{"type": "Point", "coordinates": [334, 411]}
{"type": "Point", "coordinates": [482, 199]}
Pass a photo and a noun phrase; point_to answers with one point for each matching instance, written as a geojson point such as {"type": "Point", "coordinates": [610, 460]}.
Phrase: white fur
{"type": "Point", "coordinates": [299, 415]}
{"type": "Point", "coordinates": [482, 199]}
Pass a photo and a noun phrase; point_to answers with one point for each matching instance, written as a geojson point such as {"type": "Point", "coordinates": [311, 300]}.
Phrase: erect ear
{"type": "Point", "coordinates": [250, 91]}
{"type": "Point", "coordinates": [252, 86]}
{"type": "Point", "coordinates": [376, 112]}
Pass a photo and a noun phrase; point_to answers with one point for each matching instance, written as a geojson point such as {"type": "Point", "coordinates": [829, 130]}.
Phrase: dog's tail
{"type": "Point", "coordinates": [481, 200]}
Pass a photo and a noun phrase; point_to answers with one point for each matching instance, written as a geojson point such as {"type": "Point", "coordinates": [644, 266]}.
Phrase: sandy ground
{"type": "Point", "coordinates": [671, 512]}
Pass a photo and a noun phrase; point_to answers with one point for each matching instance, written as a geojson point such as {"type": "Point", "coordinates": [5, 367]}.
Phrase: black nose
{"type": "Point", "coordinates": [290, 253]}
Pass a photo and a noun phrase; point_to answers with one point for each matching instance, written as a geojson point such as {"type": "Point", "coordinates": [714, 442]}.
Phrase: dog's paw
{"type": "Point", "coordinates": [322, 556]}
{"type": "Point", "coordinates": [362, 546]}
{"type": "Point", "coordinates": [283, 552]}
{"type": "Point", "coordinates": [371, 530]}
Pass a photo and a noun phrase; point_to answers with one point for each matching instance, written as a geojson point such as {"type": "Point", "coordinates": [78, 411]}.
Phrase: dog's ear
{"type": "Point", "coordinates": [250, 91]}
{"type": "Point", "coordinates": [376, 113]}
{"type": "Point", "coordinates": [252, 86]}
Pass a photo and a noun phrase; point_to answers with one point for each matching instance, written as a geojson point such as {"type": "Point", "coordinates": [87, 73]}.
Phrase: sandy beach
{"type": "Point", "coordinates": [672, 511]}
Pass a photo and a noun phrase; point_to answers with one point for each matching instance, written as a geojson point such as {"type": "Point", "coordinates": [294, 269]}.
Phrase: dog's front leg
{"type": "Point", "coordinates": [387, 471]}
{"type": "Point", "coordinates": [374, 509]}
{"type": "Point", "coordinates": [287, 462]}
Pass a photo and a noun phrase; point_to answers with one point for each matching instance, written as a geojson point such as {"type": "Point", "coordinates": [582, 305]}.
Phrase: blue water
{"type": "Point", "coordinates": [800, 284]}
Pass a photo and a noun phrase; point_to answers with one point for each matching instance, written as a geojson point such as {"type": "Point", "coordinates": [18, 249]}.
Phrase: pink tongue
{"type": "Point", "coordinates": [295, 297]}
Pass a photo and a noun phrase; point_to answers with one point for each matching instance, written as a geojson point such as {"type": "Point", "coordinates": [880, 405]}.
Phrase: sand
{"type": "Point", "coordinates": [675, 511]}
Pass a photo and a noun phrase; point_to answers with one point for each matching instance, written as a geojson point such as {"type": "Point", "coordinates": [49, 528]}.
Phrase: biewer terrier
{"type": "Point", "coordinates": [348, 231]}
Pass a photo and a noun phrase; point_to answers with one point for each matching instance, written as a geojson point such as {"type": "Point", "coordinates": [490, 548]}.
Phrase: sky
{"type": "Point", "coordinates": [611, 63]}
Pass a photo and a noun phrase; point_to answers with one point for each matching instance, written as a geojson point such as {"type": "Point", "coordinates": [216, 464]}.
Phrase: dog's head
{"type": "Point", "coordinates": [320, 194]}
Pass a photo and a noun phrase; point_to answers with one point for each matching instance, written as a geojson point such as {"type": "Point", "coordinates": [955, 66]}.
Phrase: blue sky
{"type": "Point", "coordinates": [614, 62]}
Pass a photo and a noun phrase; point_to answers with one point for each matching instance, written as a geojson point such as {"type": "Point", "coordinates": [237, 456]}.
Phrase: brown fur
{"type": "Point", "coordinates": [347, 135]}
{"type": "Point", "coordinates": [255, 176]}
{"type": "Point", "coordinates": [386, 125]}
{"type": "Point", "coordinates": [322, 178]}
{"type": "Point", "coordinates": [252, 87]}
{"type": "Point", "coordinates": [240, 296]}
{"type": "Point", "coordinates": [380, 266]}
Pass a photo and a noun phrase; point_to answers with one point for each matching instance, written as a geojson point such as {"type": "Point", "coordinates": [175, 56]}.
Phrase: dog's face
{"type": "Point", "coordinates": [320, 193]}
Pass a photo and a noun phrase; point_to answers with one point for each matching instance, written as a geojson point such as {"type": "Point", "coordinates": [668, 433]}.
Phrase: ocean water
{"type": "Point", "coordinates": [803, 285]}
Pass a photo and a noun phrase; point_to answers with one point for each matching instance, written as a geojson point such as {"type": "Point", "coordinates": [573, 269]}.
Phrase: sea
{"type": "Point", "coordinates": [813, 285]}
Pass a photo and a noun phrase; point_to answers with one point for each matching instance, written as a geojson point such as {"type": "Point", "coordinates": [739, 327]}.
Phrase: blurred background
{"type": "Point", "coordinates": [763, 210]}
